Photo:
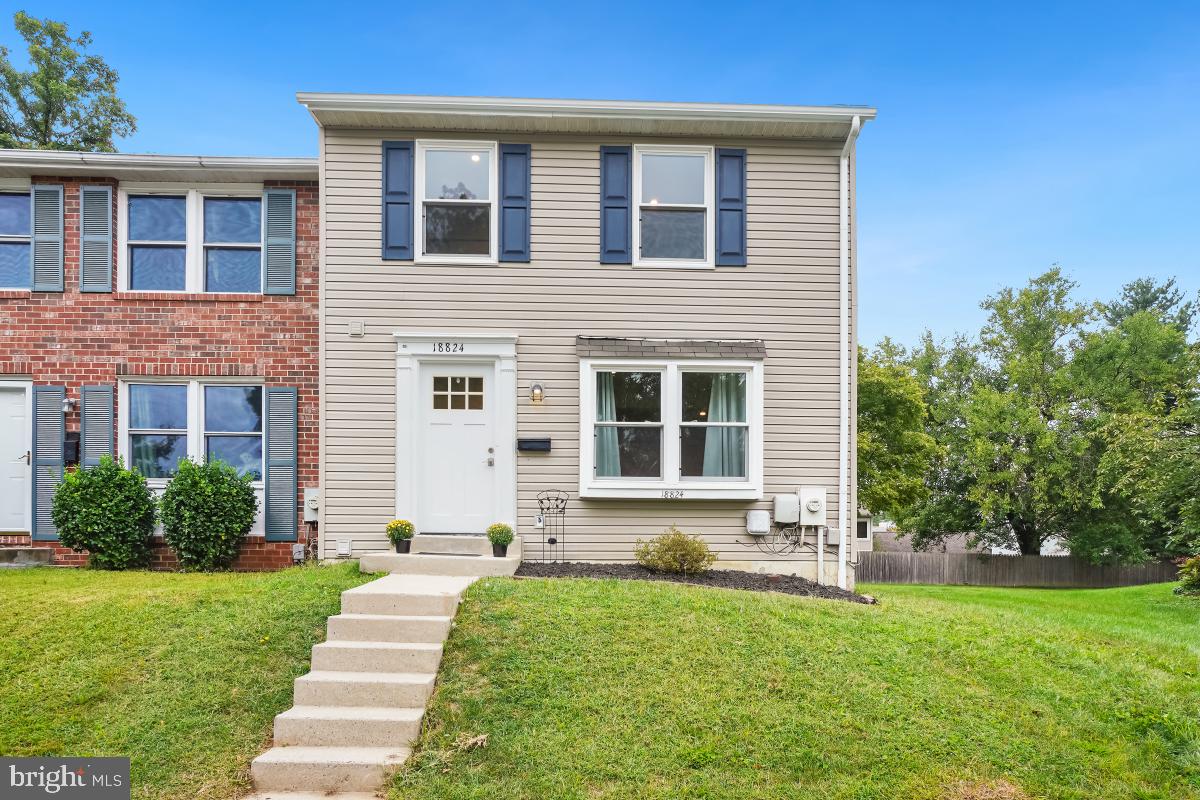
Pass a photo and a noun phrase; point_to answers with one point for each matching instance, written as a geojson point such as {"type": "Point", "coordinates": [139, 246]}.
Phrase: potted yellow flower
{"type": "Point", "coordinates": [400, 533]}
{"type": "Point", "coordinates": [501, 536]}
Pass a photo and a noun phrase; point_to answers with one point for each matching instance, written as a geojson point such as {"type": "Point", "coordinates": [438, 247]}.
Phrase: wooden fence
{"type": "Point", "coordinates": [987, 570]}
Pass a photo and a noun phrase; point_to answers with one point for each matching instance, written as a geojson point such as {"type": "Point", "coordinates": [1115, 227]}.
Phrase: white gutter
{"type": "Point", "coordinates": [51, 160]}
{"type": "Point", "coordinates": [844, 360]}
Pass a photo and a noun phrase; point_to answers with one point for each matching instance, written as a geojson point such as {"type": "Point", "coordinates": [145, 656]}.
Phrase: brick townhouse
{"type": "Point", "coordinates": [158, 307]}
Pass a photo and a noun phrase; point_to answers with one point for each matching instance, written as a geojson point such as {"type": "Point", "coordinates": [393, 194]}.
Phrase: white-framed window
{"type": "Point", "coordinates": [164, 421]}
{"type": "Point", "coordinates": [190, 238]}
{"type": "Point", "coordinates": [16, 222]}
{"type": "Point", "coordinates": [456, 187]}
{"type": "Point", "coordinates": [674, 221]}
{"type": "Point", "coordinates": [685, 429]}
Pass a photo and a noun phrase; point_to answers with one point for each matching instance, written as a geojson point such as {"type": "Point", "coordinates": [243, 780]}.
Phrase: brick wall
{"type": "Point", "coordinates": [75, 339]}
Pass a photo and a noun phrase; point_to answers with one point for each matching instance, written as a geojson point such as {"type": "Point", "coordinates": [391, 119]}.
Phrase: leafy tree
{"type": "Point", "coordinates": [67, 100]}
{"type": "Point", "coordinates": [1145, 294]}
{"type": "Point", "coordinates": [894, 451]}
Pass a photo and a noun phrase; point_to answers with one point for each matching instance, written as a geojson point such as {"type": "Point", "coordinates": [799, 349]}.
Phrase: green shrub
{"type": "Point", "coordinates": [500, 534]}
{"type": "Point", "coordinates": [400, 530]}
{"type": "Point", "coordinates": [1189, 576]}
{"type": "Point", "coordinates": [207, 510]}
{"type": "Point", "coordinates": [108, 511]}
{"type": "Point", "coordinates": [674, 551]}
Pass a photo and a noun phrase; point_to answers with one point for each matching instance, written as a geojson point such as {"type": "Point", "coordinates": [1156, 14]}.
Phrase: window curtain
{"type": "Point", "coordinates": [608, 457]}
{"type": "Point", "coordinates": [724, 447]}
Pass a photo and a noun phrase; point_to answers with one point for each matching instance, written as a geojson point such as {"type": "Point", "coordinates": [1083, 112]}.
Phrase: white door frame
{"type": "Point", "coordinates": [414, 350]}
{"type": "Point", "coordinates": [27, 387]}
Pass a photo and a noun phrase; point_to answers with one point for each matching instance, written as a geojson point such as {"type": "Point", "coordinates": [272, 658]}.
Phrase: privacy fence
{"type": "Point", "coordinates": [987, 570]}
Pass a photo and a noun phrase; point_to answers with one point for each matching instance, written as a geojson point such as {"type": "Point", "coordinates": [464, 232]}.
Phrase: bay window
{"type": "Point", "coordinates": [16, 214]}
{"type": "Point", "coordinates": [673, 223]}
{"type": "Point", "coordinates": [456, 187]}
{"type": "Point", "coordinates": [671, 429]}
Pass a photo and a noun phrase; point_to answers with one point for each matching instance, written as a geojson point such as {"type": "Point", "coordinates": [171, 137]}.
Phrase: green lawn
{"type": "Point", "coordinates": [589, 689]}
{"type": "Point", "coordinates": [181, 672]}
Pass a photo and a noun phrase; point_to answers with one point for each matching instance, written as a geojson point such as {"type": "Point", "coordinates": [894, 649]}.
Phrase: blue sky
{"type": "Point", "coordinates": [1011, 136]}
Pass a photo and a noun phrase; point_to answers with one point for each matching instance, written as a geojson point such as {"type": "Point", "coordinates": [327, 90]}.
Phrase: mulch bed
{"type": "Point", "coordinates": [721, 578]}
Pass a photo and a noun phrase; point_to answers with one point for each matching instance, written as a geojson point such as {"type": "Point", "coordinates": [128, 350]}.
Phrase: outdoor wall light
{"type": "Point", "coordinates": [537, 392]}
{"type": "Point", "coordinates": [68, 404]}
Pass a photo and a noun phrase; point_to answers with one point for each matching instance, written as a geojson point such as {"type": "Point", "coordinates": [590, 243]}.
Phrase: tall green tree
{"type": "Point", "coordinates": [66, 100]}
{"type": "Point", "coordinates": [1165, 300]}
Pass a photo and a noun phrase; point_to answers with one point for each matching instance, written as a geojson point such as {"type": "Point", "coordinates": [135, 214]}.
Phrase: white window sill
{"type": "Point", "coordinates": [473, 261]}
{"type": "Point", "coordinates": [679, 492]}
{"type": "Point", "coordinates": [674, 265]}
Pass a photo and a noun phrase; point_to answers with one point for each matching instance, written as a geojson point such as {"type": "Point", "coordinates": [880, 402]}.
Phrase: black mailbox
{"type": "Point", "coordinates": [71, 447]}
{"type": "Point", "coordinates": [533, 445]}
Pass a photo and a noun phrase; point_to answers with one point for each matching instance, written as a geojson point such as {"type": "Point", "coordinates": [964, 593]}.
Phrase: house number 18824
{"type": "Point", "coordinates": [449, 347]}
{"type": "Point", "coordinates": [673, 494]}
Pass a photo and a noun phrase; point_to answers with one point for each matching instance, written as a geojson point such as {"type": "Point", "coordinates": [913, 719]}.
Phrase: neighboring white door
{"type": "Point", "coordinates": [14, 460]}
{"type": "Point", "coordinates": [457, 464]}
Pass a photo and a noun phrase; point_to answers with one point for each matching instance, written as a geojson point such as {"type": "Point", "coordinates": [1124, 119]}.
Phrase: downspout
{"type": "Point", "coordinates": [844, 360]}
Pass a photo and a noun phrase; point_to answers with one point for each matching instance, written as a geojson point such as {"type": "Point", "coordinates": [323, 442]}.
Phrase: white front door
{"type": "Point", "coordinates": [457, 466]}
{"type": "Point", "coordinates": [14, 460]}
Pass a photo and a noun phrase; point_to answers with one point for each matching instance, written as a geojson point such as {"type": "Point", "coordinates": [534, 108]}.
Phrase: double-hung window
{"type": "Point", "coordinates": [192, 239]}
{"type": "Point", "coordinates": [16, 214]}
{"type": "Point", "coordinates": [671, 429]}
{"type": "Point", "coordinates": [456, 187]}
{"type": "Point", "coordinates": [674, 220]}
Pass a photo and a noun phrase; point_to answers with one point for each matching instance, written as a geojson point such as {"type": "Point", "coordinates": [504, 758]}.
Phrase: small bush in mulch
{"type": "Point", "coordinates": [720, 578]}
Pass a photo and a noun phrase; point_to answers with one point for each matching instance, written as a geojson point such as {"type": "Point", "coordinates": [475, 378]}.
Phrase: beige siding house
{"type": "Point", "coordinates": [648, 307]}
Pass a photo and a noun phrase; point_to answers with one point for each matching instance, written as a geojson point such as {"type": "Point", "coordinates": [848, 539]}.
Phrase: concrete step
{"type": "Point", "coordinates": [396, 689]}
{"type": "Point", "coordinates": [377, 656]}
{"type": "Point", "coordinates": [286, 795]}
{"type": "Point", "coordinates": [399, 594]}
{"type": "Point", "coordinates": [326, 769]}
{"type": "Point", "coordinates": [451, 544]}
{"type": "Point", "coordinates": [377, 689]}
{"type": "Point", "coordinates": [388, 628]}
{"type": "Point", "coordinates": [348, 726]}
{"type": "Point", "coordinates": [28, 556]}
{"type": "Point", "coordinates": [477, 566]}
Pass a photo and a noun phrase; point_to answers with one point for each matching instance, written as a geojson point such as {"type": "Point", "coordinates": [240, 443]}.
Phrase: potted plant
{"type": "Point", "coordinates": [400, 532]}
{"type": "Point", "coordinates": [501, 536]}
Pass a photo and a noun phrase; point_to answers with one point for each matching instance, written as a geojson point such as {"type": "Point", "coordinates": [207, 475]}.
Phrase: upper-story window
{"type": "Point", "coordinates": [456, 189]}
{"type": "Point", "coordinates": [15, 223]}
{"type": "Point", "coordinates": [673, 222]}
{"type": "Point", "coordinates": [192, 240]}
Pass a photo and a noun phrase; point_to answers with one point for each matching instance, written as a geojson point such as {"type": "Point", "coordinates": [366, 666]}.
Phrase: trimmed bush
{"type": "Point", "coordinates": [206, 511]}
{"type": "Point", "coordinates": [674, 551]}
{"type": "Point", "coordinates": [500, 534]}
{"type": "Point", "coordinates": [400, 530]}
{"type": "Point", "coordinates": [109, 512]}
{"type": "Point", "coordinates": [1189, 577]}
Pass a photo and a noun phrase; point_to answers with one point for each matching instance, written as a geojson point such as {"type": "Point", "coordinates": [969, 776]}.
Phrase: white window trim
{"type": "Point", "coordinates": [194, 247]}
{"type": "Point", "coordinates": [710, 233]}
{"type": "Point", "coordinates": [9, 188]}
{"type": "Point", "coordinates": [425, 145]}
{"type": "Point", "coordinates": [671, 486]}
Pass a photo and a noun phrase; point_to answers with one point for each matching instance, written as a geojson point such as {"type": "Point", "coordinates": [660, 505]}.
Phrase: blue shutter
{"type": "Point", "coordinates": [95, 424]}
{"type": "Point", "coordinates": [47, 250]}
{"type": "Point", "coordinates": [616, 218]}
{"type": "Point", "coordinates": [514, 202]}
{"type": "Point", "coordinates": [279, 241]}
{"type": "Point", "coordinates": [49, 431]}
{"type": "Point", "coordinates": [279, 480]}
{"type": "Point", "coordinates": [397, 201]}
{"type": "Point", "coordinates": [731, 207]}
{"type": "Point", "coordinates": [95, 238]}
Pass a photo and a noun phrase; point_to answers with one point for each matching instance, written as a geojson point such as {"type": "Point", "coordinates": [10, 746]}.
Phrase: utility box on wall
{"type": "Point", "coordinates": [813, 505]}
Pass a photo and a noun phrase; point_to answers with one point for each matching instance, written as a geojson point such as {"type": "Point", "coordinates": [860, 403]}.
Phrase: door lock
{"type": "Point", "coordinates": [491, 462]}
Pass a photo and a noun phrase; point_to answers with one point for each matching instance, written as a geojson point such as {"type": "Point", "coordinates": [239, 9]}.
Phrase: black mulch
{"type": "Point", "coordinates": [722, 578]}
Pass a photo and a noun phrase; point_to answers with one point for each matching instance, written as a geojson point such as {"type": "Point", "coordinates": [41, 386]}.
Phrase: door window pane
{"type": "Point", "coordinates": [712, 452]}
{"type": "Point", "coordinates": [673, 179]}
{"type": "Point", "coordinates": [457, 174]}
{"type": "Point", "coordinates": [244, 453]}
{"type": "Point", "coordinates": [157, 219]}
{"type": "Point", "coordinates": [457, 229]}
{"type": "Point", "coordinates": [628, 397]}
{"type": "Point", "coordinates": [232, 270]}
{"type": "Point", "coordinates": [14, 214]}
{"type": "Point", "coordinates": [672, 234]}
{"type": "Point", "coordinates": [158, 406]}
{"type": "Point", "coordinates": [628, 452]}
{"type": "Point", "coordinates": [457, 393]}
{"type": "Point", "coordinates": [233, 220]}
{"type": "Point", "coordinates": [157, 455]}
{"type": "Point", "coordinates": [157, 268]}
{"type": "Point", "coordinates": [14, 265]}
{"type": "Point", "coordinates": [233, 409]}
{"type": "Point", "coordinates": [714, 397]}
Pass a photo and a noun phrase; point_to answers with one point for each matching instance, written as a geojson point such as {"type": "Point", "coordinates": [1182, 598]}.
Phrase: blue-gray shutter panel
{"type": "Point", "coordinates": [731, 207]}
{"type": "Point", "coordinates": [47, 250]}
{"type": "Point", "coordinates": [616, 209]}
{"type": "Point", "coordinates": [95, 424]}
{"type": "Point", "coordinates": [514, 202]}
{"type": "Point", "coordinates": [279, 480]}
{"type": "Point", "coordinates": [397, 201]}
{"type": "Point", "coordinates": [49, 431]}
{"type": "Point", "coordinates": [279, 241]}
{"type": "Point", "coordinates": [95, 239]}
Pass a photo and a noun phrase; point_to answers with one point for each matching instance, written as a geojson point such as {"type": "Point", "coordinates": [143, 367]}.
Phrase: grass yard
{"type": "Point", "coordinates": [622, 689]}
{"type": "Point", "coordinates": [181, 672]}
